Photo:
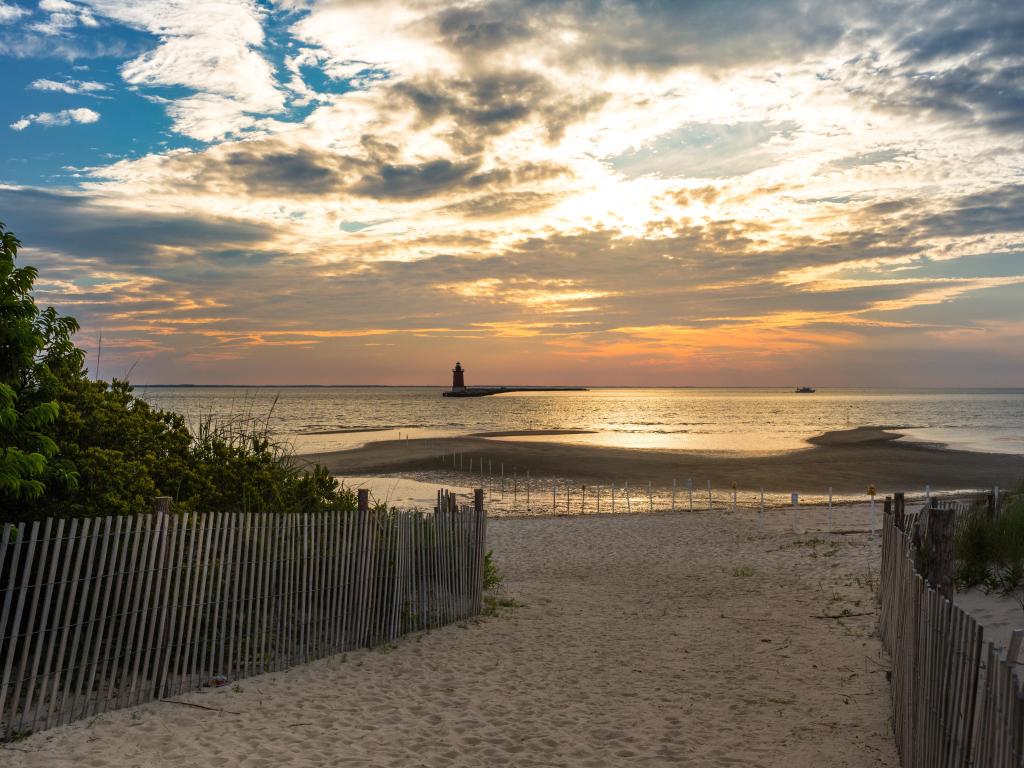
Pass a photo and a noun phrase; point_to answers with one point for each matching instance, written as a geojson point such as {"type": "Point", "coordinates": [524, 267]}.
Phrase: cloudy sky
{"type": "Point", "coordinates": [600, 191]}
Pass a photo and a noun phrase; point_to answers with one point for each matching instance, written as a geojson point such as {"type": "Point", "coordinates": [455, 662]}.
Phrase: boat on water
{"type": "Point", "coordinates": [804, 390]}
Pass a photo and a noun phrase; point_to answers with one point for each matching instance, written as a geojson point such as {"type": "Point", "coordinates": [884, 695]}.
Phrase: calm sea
{"type": "Point", "coordinates": [750, 420]}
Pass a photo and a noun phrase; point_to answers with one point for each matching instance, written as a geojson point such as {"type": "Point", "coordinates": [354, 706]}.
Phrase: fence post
{"type": "Point", "coordinates": [364, 500]}
{"type": "Point", "coordinates": [899, 502]}
{"type": "Point", "coordinates": [162, 505]}
{"type": "Point", "coordinates": [990, 503]}
{"type": "Point", "coordinates": [940, 549]}
{"type": "Point", "coordinates": [478, 500]}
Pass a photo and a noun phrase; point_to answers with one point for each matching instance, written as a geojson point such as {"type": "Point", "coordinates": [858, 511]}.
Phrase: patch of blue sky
{"type": "Point", "coordinates": [996, 264]}
{"type": "Point", "coordinates": [133, 121]}
{"type": "Point", "coordinates": [279, 45]}
{"type": "Point", "coordinates": [358, 226]}
{"type": "Point", "coordinates": [875, 157]}
{"type": "Point", "coordinates": [129, 125]}
{"type": "Point", "coordinates": [706, 150]}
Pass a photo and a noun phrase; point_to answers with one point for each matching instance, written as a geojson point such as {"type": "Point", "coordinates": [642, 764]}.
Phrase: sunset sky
{"type": "Point", "coordinates": [590, 192]}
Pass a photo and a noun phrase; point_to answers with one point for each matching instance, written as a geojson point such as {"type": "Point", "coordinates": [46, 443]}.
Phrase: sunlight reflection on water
{"type": "Point", "coordinates": [751, 420]}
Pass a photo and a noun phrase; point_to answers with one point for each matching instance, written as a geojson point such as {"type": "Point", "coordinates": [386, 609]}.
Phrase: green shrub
{"type": "Point", "coordinates": [70, 446]}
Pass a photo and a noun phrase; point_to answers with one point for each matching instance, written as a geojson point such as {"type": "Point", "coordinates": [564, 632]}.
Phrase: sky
{"type": "Point", "coordinates": [706, 193]}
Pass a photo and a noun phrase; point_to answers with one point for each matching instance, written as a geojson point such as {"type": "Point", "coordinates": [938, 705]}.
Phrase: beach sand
{"type": "Point", "coordinates": [687, 639]}
{"type": "Point", "coordinates": [847, 460]}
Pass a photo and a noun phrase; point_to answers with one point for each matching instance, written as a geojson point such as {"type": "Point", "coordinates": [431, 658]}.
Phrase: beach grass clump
{"type": "Point", "coordinates": [492, 578]}
{"type": "Point", "coordinates": [989, 548]}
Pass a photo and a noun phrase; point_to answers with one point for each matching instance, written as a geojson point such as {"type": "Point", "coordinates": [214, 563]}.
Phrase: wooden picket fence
{"type": "Point", "coordinates": [103, 613]}
{"type": "Point", "coordinates": [949, 708]}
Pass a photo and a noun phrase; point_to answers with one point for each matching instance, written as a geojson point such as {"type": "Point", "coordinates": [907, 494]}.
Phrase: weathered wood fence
{"type": "Point", "coordinates": [951, 707]}
{"type": "Point", "coordinates": [103, 613]}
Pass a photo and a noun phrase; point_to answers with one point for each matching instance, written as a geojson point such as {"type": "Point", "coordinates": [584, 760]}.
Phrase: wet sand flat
{"type": "Point", "coordinates": [847, 460]}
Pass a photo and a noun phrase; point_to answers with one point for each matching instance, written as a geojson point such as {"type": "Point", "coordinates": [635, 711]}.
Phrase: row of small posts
{"type": "Point", "coordinates": [102, 613]}
{"type": "Point", "coordinates": [956, 700]}
{"type": "Point", "coordinates": [696, 498]}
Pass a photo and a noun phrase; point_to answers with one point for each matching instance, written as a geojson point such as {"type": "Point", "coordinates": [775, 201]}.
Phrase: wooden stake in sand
{"type": "Point", "coordinates": [673, 494]}
{"type": "Point", "coordinates": [830, 509]}
{"type": "Point", "coordinates": [689, 488]}
{"type": "Point", "coordinates": [871, 493]}
{"type": "Point", "coordinates": [527, 490]}
{"type": "Point", "coordinates": [650, 498]}
{"type": "Point", "coordinates": [554, 497]}
{"type": "Point", "coordinates": [583, 502]}
{"type": "Point", "coordinates": [613, 498]}
{"type": "Point", "coordinates": [940, 549]}
{"type": "Point", "coordinates": [795, 500]}
{"type": "Point", "coordinates": [598, 500]}
{"type": "Point", "coordinates": [734, 498]}
{"type": "Point", "coordinates": [629, 509]}
{"type": "Point", "coordinates": [709, 495]}
{"type": "Point", "coordinates": [762, 509]}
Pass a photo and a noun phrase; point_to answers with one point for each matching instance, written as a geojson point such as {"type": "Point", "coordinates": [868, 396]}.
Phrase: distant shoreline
{"type": "Point", "coordinates": [846, 460]}
{"type": "Point", "coordinates": [783, 388]}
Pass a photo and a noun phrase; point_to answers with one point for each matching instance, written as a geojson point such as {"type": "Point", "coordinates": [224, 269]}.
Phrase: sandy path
{"type": "Point", "coordinates": [653, 640]}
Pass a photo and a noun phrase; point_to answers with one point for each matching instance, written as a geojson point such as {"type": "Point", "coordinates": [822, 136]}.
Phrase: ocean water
{"type": "Point", "coordinates": [744, 420]}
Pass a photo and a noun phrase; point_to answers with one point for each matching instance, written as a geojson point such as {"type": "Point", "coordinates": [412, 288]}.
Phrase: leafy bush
{"type": "Point", "coordinates": [76, 447]}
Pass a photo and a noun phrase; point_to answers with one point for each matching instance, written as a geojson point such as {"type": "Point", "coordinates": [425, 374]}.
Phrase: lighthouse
{"type": "Point", "coordinates": [459, 388]}
{"type": "Point", "coordinates": [458, 379]}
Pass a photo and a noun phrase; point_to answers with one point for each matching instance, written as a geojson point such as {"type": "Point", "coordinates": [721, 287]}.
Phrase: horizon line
{"type": "Point", "coordinates": [589, 386]}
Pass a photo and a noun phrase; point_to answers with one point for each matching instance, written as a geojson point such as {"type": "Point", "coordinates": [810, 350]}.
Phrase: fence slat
{"type": "Point", "coordinates": [175, 617]}
{"type": "Point", "coordinates": [94, 626]}
{"type": "Point", "coordinates": [40, 638]}
{"type": "Point", "coordinates": [88, 538]}
{"type": "Point", "coordinates": [122, 568]}
{"type": "Point", "coordinates": [19, 545]}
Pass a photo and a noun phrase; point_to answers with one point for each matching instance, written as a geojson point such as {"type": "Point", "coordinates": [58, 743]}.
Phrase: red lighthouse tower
{"type": "Point", "coordinates": [458, 381]}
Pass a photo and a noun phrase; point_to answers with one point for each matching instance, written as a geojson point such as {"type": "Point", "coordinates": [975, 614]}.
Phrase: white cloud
{"type": "Point", "coordinates": [64, 117]}
{"type": "Point", "coordinates": [63, 17]}
{"type": "Point", "coordinates": [212, 49]}
{"type": "Point", "coordinates": [68, 86]}
{"type": "Point", "coordinates": [9, 13]}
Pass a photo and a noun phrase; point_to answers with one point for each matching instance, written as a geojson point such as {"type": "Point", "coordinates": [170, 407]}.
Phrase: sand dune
{"type": "Point", "coordinates": [655, 640]}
